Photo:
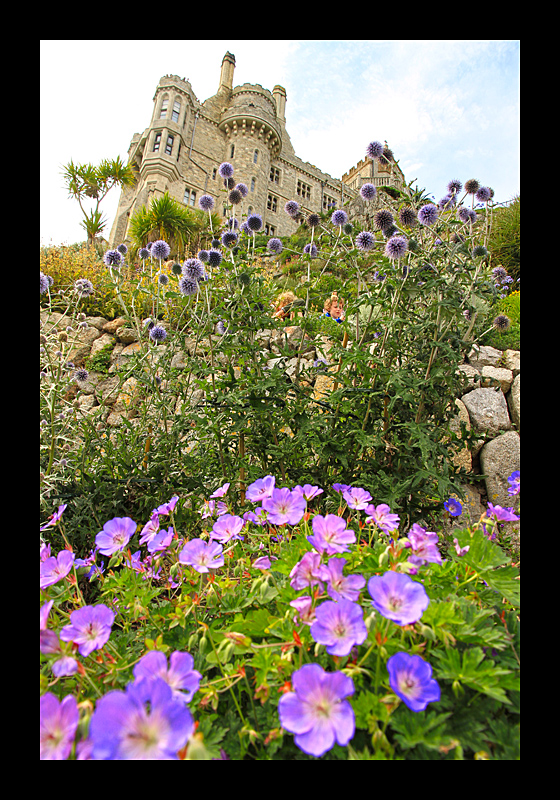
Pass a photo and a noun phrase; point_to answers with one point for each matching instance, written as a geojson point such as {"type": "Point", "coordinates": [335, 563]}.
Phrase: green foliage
{"type": "Point", "coordinates": [504, 242]}
{"type": "Point", "coordinates": [510, 339]}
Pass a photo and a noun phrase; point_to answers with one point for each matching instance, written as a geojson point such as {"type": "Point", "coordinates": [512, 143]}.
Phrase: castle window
{"type": "Point", "coordinates": [214, 173]}
{"type": "Point", "coordinates": [232, 151]}
{"type": "Point", "coordinates": [253, 183]}
{"type": "Point", "coordinates": [274, 175]}
{"type": "Point", "coordinates": [186, 195]}
{"type": "Point", "coordinates": [193, 198]}
{"type": "Point", "coordinates": [176, 111]}
{"type": "Point", "coordinates": [303, 190]}
{"type": "Point", "coordinates": [164, 104]}
{"type": "Point", "coordinates": [255, 156]}
{"type": "Point", "coordinates": [272, 202]}
{"type": "Point", "coordinates": [328, 202]}
{"type": "Point", "coordinates": [157, 141]}
{"type": "Point", "coordinates": [169, 145]}
{"type": "Point", "coordinates": [178, 151]}
{"type": "Point", "coordinates": [269, 230]}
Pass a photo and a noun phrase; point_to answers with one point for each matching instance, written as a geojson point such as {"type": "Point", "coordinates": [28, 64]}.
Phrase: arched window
{"type": "Point", "coordinates": [232, 151]}
{"type": "Point", "coordinates": [176, 111]}
{"type": "Point", "coordinates": [255, 156]}
{"type": "Point", "coordinates": [253, 183]}
{"type": "Point", "coordinates": [164, 105]}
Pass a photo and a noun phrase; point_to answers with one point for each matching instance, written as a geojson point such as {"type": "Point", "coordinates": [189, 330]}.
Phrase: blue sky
{"type": "Point", "coordinates": [447, 108]}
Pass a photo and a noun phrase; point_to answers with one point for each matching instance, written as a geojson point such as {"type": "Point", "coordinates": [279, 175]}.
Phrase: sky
{"type": "Point", "coordinates": [449, 109]}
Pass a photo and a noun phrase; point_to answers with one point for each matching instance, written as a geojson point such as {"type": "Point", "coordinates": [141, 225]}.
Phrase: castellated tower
{"type": "Point", "coordinates": [186, 141]}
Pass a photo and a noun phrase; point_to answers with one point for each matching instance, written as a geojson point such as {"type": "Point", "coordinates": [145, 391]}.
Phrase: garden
{"type": "Point", "coordinates": [266, 555]}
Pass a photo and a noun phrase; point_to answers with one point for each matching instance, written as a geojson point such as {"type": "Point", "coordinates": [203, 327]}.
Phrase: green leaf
{"type": "Point", "coordinates": [423, 727]}
{"type": "Point", "coordinates": [468, 668]}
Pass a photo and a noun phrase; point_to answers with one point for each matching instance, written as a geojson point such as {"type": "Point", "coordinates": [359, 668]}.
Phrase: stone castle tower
{"type": "Point", "coordinates": [186, 141]}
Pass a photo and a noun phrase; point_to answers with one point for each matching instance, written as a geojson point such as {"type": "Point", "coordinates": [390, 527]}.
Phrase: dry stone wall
{"type": "Point", "coordinates": [489, 403]}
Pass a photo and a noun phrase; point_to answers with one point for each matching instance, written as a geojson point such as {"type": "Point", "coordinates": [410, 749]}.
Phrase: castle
{"type": "Point", "coordinates": [186, 141]}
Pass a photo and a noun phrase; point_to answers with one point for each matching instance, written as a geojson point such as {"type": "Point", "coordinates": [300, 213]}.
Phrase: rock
{"type": "Point", "coordinates": [484, 357]}
{"type": "Point", "coordinates": [471, 376]}
{"type": "Point", "coordinates": [111, 327]}
{"type": "Point", "coordinates": [510, 360]}
{"type": "Point", "coordinates": [128, 395]}
{"type": "Point", "coordinates": [102, 341]}
{"type": "Point", "coordinates": [324, 384]}
{"type": "Point", "coordinates": [126, 335]}
{"type": "Point", "coordinates": [513, 402]}
{"type": "Point", "coordinates": [497, 376]}
{"type": "Point", "coordinates": [498, 459]}
{"type": "Point", "coordinates": [488, 411]}
{"type": "Point", "coordinates": [463, 458]}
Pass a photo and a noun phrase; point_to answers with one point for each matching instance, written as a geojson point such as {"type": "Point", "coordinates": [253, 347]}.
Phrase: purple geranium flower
{"type": "Point", "coordinates": [330, 534]}
{"type": "Point", "coordinates": [227, 527]}
{"type": "Point", "coordinates": [150, 529]}
{"type": "Point", "coordinates": [115, 535]}
{"type": "Point", "coordinates": [382, 517]}
{"type": "Point", "coordinates": [260, 489]}
{"type": "Point", "coordinates": [167, 508]}
{"type": "Point", "coordinates": [453, 507]}
{"type": "Point", "coordinates": [339, 626]}
{"type": "Point", "coordinates": [339, 586]}
{"type": "Point", "coordinates": [181, 677]}
{"type": "Point", "coordinates": [145, 723]}
{"type": "Point", "coordinates": [501, 514]}
{"type": "Point", "coordinates": [284, 507]}
{"type": "Point", "coordinates": [55, 517]}
{"type": "Point", "coordinates": [316, 711]}
{"type": "Point", "coordinates": [356, 498]}
{"type": "Point", "coordinates": [514, 482]}
{"type": "Point", "coordinates": [220, 492]}
{"type": "Point", "coordinates": [308, 491]}
{"type": "Point", "coordinates": [54, 569]}
{"type": "Point", "coordinates": [90, 628]}
{"type": "Point", "coordinates": [410, 677]}
{"type": "Point", "coordinates": [423, 544]}
{"type": "Point", "coordinates": [161, 540]}
{"type": "Point", "coordinates": [307, 572]}
{"type": "Point", "coordinates": [58, 724]}
{"type": "Point", "coordinates": [397, 597]}
{"type": "Point", "coordinates": [202, 556]}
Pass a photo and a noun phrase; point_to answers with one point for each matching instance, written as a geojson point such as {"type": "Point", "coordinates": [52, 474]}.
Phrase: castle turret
{"type": "Point", "coordinates": [279, 94]}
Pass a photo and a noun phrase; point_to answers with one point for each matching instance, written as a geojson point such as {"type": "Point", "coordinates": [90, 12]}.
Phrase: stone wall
{"type": "Point", "coordinates": [489, 403]}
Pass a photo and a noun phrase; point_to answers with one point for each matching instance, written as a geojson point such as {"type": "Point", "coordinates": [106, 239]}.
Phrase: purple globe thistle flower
{"type": "Point", "coordinates": [316, 711]}
{"type": "Point", "coordinates": [180, 675]}
{"type": "Point", "coordinates": [90, 628]}
{"type": "Point", "coordinates": [407, 217]}
{"type": "Point", "coordinates": [260, 489]}
{"type": "Point", "coordinates": [160, 249]}
{"type": "Point", "coordinates": [396, 247]}
{"type": "Point", "coordinates": [193, 268]}
{"type": "Point", "coordinates": [144, 253]}
{"type": "Point", "coordinates": [454, 186]}
{"type": "Point", "coordinates": [472, 186]}
{"type": "Point", "coordinates": [330, 534]}
{"type": "Point", "coordinates": [227, 527]}
{"type": "Point", "coordinates": [113, 258]}
{"type": "Point", "coordinates": [291, 208]}
{"type": "Point", "coordinates": [229, 238]}
{"type": "Point", "coordinates": [235, 197]}
{"type": "Point", "coordinates": [163, 279]}
{"type": "Point", "coordinates": [145, 723]}
{"type": "Point", "coordinates": [339, 217]}
{"type": "Point", "coordinates": [339, 586]}
{"type": "Point", "coordinates": [284, 507]}
{"type": "Point", "coordinates": [83, 287]}
{"type": "Point", "coordinates": [254, 222]}
{"type": "Point", "coordinates": [383, 219]}
{"type": "Point", "coordinates": [206, 202]}
{"type": "Point", "coordinates": [340, 626]}
{"type": "Point", "coordinates": [311, 249]}
{"type": "Point", "coordinates": [467, 215]}
{"type": "Point", "coordinates": [382, 517]}
{"type": "Point", "coordinates": [226, 170]}
{"type": "Point", "coordinates": [410, 677]}
{"type": "Point", "coordinates": [202, 556]}
{"type": "Point", "coordinates": [453, 507]}
{"type": "Point", "coordinates": [365, 240]}
{"type": "Point", "coordinates": [275, 245]}
{"type": "Point", "coordinates": [374, 150]}
{"type": "Point", "coordinates": [122, 248]}
{"type": "Point", "coordinates": [313, 220]}
{"type": "Point", "coordinates": [81, 375]}
{"type": "Point", "coordinates": [115, 535]}
{"type": "Point", "coordinates": [58, 723]}
{"type": "Point", "coordinates": [514, 482]}
{"type": "Point", "coordinates": [368, 191]}
{"type": "Point", "coordinates": [44, 282]}
{"type": "Point", "coordinates": [188, 285]}
{"type": "Point", "coordinates": [243, 189]}
{"type": "Point", "coordinates": [428, 214]}
{"type": "Point", "coordinates": [54, 569]}
{"type": "Point", "coordinates": [447, 202]}
{"type": "Point", "coordinates": [214, 257]}
{"type": "Point", "coordinates": [356, 498]}
{"type": "Point", "coordinates": [398, 598]}
{"type": "Point", "coordinates": [158, 334]}
{"type": "Point", "coordinates": [203, 255]}
{"type": "Point", "coordinates": [479, 251]}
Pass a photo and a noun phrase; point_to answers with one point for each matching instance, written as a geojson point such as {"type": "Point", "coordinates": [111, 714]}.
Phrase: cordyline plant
{"type": "Point", "coordinates": [281, 633]}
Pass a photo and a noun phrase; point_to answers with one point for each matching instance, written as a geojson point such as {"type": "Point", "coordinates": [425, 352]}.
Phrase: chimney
{"type": "Point", "coordinates": [279, 94]}
{"type": "Point", "coordinates": [226, 75]}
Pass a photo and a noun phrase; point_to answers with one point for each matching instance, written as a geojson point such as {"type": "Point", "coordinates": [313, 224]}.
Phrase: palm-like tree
{"type": "Point", "coordinates": [89, 182]}
{"type": "Point", "coordinates": [169, 220]}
